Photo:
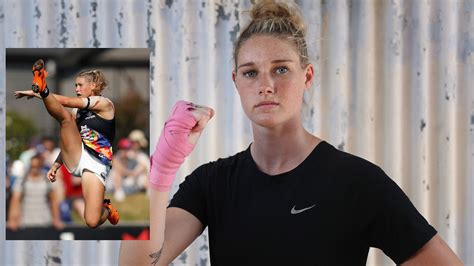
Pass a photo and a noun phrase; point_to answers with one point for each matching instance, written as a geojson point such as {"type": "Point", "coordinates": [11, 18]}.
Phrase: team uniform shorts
{"type": "Point", "coordinates": [90, 163]}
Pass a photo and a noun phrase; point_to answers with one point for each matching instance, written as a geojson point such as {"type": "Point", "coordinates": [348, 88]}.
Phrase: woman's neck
{"type": "Point", "coordinates": [279, 150]}
{"type": "Point", "coordinates": [35, 175]}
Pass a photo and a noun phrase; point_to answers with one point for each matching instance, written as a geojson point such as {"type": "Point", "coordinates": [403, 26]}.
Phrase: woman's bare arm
{"type": "Point", "coordinates": [182, 228]}
{"type": "Point", "coordinates": [72, 102]}
{"type": "Point", "coordinates": [98, 104]}
{"type": "Point", "coordinates": [54, 168]}
{"type": "Point", "coordinates": [434, 252]}
{"type": "Point", "coordinates": [54, 205]}
{"type": "Point", "coordinates": [14, 213]}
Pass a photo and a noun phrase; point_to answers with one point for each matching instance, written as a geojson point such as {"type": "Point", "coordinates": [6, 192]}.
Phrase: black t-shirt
{"type": "Point", "coordinates": [327, 211]}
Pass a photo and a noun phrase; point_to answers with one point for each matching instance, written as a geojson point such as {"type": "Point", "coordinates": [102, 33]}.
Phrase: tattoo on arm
{"type": "Point", "coordinates": [156, 256]}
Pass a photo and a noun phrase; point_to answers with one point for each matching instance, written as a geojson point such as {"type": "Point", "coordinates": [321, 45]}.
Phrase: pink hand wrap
{"type": "Point", "coordinates": [172, 147]}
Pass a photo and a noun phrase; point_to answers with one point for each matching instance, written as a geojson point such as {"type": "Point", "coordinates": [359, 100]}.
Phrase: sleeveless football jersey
{"type": "Point", "coordinates": [97, 134]}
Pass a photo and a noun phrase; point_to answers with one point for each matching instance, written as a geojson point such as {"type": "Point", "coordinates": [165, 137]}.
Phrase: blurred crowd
{"type": "Point", "coordinates": [130, 166]}
{"type": "Point", "coordinates": [33, 201]}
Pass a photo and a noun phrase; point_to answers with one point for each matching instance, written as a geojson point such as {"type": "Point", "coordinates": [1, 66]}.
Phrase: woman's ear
{"type": "Point", "coordinates": [309, 75]}
{"type": "Point", "coordinates": [234, 74]}
{"type": "Point", "coordinates": [94, 89]}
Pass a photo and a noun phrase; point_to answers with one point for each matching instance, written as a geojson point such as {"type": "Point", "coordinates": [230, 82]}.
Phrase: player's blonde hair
{"type": "Point", "coordinates": [278, 19]}
{"type": "Point", "coordinates": [96, 77]}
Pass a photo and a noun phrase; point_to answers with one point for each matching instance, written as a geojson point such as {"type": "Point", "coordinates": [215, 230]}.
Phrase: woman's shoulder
{"type": "Point", "coordinates": [232, 159]}
{"type": "Point", "coordinates": [349, 164]}
{"type": "Point", "coordinates": [224, 163]}
{"type": "Point", "coordinates": [345, 158]}
{"type": "Point", "coordinates": [108, 101]}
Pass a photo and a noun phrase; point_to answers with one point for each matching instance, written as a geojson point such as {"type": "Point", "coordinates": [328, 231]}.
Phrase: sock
{"type": "Point", "coordinates": [44, 93]}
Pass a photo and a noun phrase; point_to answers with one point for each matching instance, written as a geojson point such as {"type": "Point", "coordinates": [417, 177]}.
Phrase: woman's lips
{"type": "Point", "coordinates": [266, 104]}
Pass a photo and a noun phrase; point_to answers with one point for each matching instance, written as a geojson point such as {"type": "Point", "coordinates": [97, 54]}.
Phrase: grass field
{"type": "Point", "coordinates": [135, 208]}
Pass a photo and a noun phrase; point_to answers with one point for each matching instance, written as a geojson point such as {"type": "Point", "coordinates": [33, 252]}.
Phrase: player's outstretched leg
{"type": "Point", "coordinates": [70, 139]}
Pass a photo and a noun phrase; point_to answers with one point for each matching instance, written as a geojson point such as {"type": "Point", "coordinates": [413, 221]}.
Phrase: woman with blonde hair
{"type": "Point", "coordinates": [290, 198]}
{"type": "Point", "coordinates": [86, 136]}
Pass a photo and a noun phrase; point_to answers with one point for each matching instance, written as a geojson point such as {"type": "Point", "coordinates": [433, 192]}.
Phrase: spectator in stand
{"type": "Point", "coordinates": [27, 154]}
{"type": "Point", "coordinates": [45, 146]}
{"type": "Point", "coordinates": [48, 150]}
{"type": "Point", "coordinates": [120, 170]}
{"type": "Point", "coordinates": [33, 201]}
{"type": "Point", "coordinates": [8, 184]}
{"type": "Point", "coordinates": [16, 171]}
{"type": "Point", "coordinates": [73, 195]}
{"type": "Point", "coordinates": [131, 166]}
{"type": "Point", "coordinates": [141, 170]}
{"type": "Point", "coordinates": [73, 188]}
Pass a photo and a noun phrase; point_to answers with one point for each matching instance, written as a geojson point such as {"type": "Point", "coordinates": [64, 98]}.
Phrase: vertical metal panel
{"type": "Point", "coordinates": [3, 248]}
{"type": "Point", "coordinates": [394, 84]}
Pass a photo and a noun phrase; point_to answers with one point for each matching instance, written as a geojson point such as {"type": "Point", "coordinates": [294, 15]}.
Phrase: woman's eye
{"type": "Point", "coordinates": [250, 74]}
{"type": "Point", "coordinates": [281, 70]}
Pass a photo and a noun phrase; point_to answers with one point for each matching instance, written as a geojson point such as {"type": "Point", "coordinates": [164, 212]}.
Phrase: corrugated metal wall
{"type": "Point", "coordinates": [394, 84]}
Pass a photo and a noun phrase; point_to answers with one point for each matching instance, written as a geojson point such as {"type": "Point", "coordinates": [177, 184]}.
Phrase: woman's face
{"type": "Point", "coordinates": [270, 80]}
{"type": "Point", "coordinates": [35, 166]}
{"type": "Point", "coordinates": [83, 87]}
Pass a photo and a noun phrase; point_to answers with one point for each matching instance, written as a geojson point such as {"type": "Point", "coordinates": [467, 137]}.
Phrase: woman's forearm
{"type": "Point", "coordinates": [57, 163]}
{"type": "Point", "coordinates": [158, 217]}
{"type": "Point", "coordinates": [14, 211]}
{"type": "Point", "coordinates": [54, 206]}
{"type": "Point", "coordinates": [70, 102]}
{"type": "Point", "coordinates": [148, 252]}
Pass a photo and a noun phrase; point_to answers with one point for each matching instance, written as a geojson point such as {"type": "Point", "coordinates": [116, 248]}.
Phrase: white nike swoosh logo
{"type": "Point", "coordinates": [295, 211]}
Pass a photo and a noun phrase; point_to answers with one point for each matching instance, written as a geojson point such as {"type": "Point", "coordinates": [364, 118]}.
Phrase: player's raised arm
{"type": "Point", "coordinates": [173, 229]}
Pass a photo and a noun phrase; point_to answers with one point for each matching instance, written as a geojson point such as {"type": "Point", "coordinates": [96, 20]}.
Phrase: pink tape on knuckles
{"type": "Point", "coordinates": [172, 147]}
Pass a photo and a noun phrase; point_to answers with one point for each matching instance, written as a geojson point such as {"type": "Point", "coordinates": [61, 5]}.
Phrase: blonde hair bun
{"type": "Point", "coordinates": [278, 19]}
{"type": "Point", "coordinates": [278, 10]}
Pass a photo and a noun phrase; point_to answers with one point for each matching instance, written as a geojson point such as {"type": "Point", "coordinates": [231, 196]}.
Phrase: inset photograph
{"type": "Point", "coordinates": [77, 131]}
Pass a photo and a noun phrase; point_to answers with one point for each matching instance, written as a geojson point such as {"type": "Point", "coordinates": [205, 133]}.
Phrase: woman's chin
{"type": "Point", "coordinates": [266, 120]}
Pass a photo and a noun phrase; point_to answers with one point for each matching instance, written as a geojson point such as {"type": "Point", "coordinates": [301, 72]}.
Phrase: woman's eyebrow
{"type": "Point", "coordinates": [281, 61]}
{"type": "Point", "coordinates": [246, 64]}
{"type": "Point", "coordinates": [273, 62]}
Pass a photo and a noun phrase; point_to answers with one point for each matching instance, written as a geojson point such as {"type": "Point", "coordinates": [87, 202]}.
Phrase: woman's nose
{"type": "Point", "coordinates": [266, 85]}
